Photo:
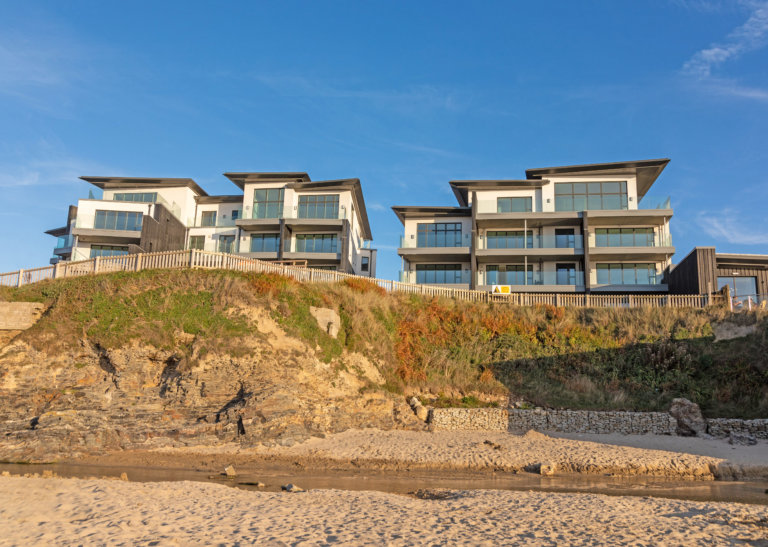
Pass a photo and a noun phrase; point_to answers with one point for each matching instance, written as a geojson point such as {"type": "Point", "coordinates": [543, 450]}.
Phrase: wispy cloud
{"type": "Point", "coordinates": [732, 226]}
{"type": "Point", "coordinates": [47, 167]}
{"type": "Point", "coordinates": [749, 37]}
{"type": "Point", "coordinates": [409, 97]}
{"type": "Point", "coordinates": [377, 207]}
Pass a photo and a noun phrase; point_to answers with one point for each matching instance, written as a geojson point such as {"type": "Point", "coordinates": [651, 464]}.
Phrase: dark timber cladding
{"type": "Point", "coordinates": [161, 232]}
{"type": "Point", "coordinates": [697, 273]}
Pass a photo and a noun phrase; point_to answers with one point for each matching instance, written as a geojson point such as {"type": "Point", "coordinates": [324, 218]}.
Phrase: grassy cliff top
{"type": "Point", "coordinates": [448, 351]}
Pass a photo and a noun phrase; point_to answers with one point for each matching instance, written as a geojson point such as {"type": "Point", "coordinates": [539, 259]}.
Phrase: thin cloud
{"type": "Point", "coordinates": [46, 172]}
{"type": "Point", "coordinates": [751, 36]}
{"type": "Point", "coordinates": [377, 207]}
{"type": "Point", "coordinates": [730, 225]}
{"type": "Point", "coordinates": [410, 98]}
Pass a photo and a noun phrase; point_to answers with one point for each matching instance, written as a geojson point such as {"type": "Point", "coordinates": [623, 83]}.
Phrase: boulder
{"type": "Point", "coordinates": [230, 472]}
{"type": "Point", "coordinates": [690, 422]}
{"type": "Point", "coordinates": [547, 469]}
{"type": "Point", "coordinates": [327, 319]}
{"type": "Point", "coordinates": [744, 439]}
{"type": "Point", "coordinates": [290, 487]}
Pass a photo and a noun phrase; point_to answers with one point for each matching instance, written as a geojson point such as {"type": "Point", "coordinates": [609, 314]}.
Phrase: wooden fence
{"type": "Point", "coordinates": [203, 259]}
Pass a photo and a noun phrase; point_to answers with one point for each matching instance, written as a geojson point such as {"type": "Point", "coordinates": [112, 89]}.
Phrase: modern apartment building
{"type": "Point", "coordinates": [580, 228]}
{"type": "Point", "coordinates": [276, 216]}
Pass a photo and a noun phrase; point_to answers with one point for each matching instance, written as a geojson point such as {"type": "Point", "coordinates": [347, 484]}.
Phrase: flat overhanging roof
{"type": "Point", "coordinates": [415, 211]}
{"type": "Point", "coordinates": [734, 259]}
{"type": "Point", "coordinates": [57, 232]}
{"type": "Point", "coordinates": [219, 199]}
{"type": "Point", "coordinates": [117, 183]}
{"type": "Point", "coordinates": [240, 179]}
{"type": "Point", "coordinates": [462, 188]}
{"type": "Point", "coordinates": [646, 171]}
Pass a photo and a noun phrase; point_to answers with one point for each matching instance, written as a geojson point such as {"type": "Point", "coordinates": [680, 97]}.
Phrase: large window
{"type": "Point", "coordinates": [517, 239]}
{"type": "Point", "coordinates": [624, 237]}
{"type": "Point", "coordinates": [264, 243]}
{"type": "Point", "coordinates": [117, 220]}
{"type": "Point", "coordinates": [226, 244]}
{"type": "Point", "coordinates": [316, 243]}
{"type": "Point", "coordinates": [438, 273]}
{"type": "Point", "coordinates": [197, 242]}
{"type": "Point", "coordinates": [145, 197]}
{"type": "Point", "coordinates": [565, 274]}
{"type": "Point", "coordinates": [364, 264]}
{"type": "Point", "coordinates": [441, 234]}
{"type": "Point", "coordinates": [626, 274]}
{"type": "Point", "coordinates": [268, 203]}
{"type": "Point", "coordinates": [314, 206]}
{"type": "Point", "coordinates": [742, 288]}
{"type": "Point", "coordinates": [108, 250]}
{"type": "Point", "coordinates": [565, 238]}
{"type": "Point", "coordinates": [208, 218]}
{"type": "Point", "coordinates": [590, 196]}
{"type": "Point", "coordinates": [514, 205]}
{"type": "Point", "coordinates": [509, 274]}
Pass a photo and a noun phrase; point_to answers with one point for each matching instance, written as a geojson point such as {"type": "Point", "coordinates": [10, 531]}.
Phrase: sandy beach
{"type": "Point", "coordinates": [77, 511]}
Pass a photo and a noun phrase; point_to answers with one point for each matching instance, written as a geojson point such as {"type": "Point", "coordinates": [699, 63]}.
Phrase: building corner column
{"type": "Point", "coordinates": [585, 244]}
{"type": "Point", "coordinates": [473, 245]}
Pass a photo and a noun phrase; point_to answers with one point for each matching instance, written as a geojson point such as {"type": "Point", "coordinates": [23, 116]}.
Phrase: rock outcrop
{"type": "Point", "coordinates": [140, 397]}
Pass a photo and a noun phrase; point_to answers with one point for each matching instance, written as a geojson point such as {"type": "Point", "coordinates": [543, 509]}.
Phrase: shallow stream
{"type": "Point", "coordinates": [273, 477]}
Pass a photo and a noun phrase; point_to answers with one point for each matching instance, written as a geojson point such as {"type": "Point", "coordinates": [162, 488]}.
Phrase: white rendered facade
{"type": "Point", "coordinates": [562, 229]}
{"type": "Point", "coordinates": [320, 224]}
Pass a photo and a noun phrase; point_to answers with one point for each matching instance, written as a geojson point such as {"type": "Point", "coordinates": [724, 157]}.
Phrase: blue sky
{"type": "Point", "coordinates": [403, 95]}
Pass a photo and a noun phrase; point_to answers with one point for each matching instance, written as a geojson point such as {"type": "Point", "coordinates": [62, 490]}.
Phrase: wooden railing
{"type": "Point", "coordinates": [209, 260]}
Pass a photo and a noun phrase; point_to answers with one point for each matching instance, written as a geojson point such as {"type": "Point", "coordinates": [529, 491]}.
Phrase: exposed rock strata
{"type": "Point", "coordinates": [100, 399]}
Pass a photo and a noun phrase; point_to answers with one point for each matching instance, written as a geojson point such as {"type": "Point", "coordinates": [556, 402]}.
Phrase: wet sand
{"type": "Point", "coordinates": [77, 511]}
{"type": "Point", "coordinates": [479, 452]}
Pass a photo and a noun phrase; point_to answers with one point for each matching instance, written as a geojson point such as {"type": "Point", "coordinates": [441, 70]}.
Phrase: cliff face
{"type": "Point", "coordinates": [94, 399]}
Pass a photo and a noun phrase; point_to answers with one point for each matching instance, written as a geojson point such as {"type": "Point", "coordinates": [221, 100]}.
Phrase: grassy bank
{"type": "Point", "coordinates": [459, 352]}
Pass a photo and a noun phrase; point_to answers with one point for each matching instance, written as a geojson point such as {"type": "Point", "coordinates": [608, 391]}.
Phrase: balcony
{"type": "Point", "coordinates": [454, 250]}
{"type": "Point", "coordinates": [617, 246]}
{"type": "Point", "coordinates": [64, 244]}
{"type": "Point", "coordinates": [218, 223]}
{"type": "Point", "coordinates": [513, 248]}
{"type": "Point", "coordinates": [562, 281]}
{"type": "Point", "coordinates": [458, 280]}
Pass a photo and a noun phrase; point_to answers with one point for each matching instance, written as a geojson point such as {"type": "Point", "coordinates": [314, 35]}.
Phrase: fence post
{"type": "Point", "coordinates": [56, 268]}
{"type": "Point", "coordinates": [631, 301]}
{"type": "Point", "coordinates": [138, 261]}
{"type": "Point", "coordinates": [19, 282]}
{"type": "Point", "coordinates": [96, 264]}
{"type": "Point", "coordinates": [191, 258]}
{"type": "Point", "coordinates": [557, 300]}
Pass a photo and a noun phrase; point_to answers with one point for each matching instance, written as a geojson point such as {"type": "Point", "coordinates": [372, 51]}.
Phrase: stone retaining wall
{"type": "Point", "coordinates": [721, 427]}
{"type": "Point", "coordinates": [19, 315]}
{"type": "Point", "coordinates": [565, 421]}
{"type": "Point", "coordinates": [588, 421]}
{"type": "Point", "coordinates": [468, 419]}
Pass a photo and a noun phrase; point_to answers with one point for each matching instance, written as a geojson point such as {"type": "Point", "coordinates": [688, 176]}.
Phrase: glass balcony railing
{"type": "Point", "coordinates": [289, 212]}
{"type": "Point", "coordinates": [619, 239]}
{"type": "Point", "coordinates": [435, 277]}
{"type": "Point", "coordinates": [565, 277]}
{"type": "Point", "coordinates": [64, 242]}
{"type": "Point", "coordinates": [442, 241]}
{"type": "Point", "coordinates": [655, 202]}
{"type": "Point", "coordinates": [530, 242]}
{"type": "Point", "coordinates": [217, 222]}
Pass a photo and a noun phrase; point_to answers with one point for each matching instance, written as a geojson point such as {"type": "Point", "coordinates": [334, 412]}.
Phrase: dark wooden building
{"type": "Point", "coordinates": [705, 271]}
